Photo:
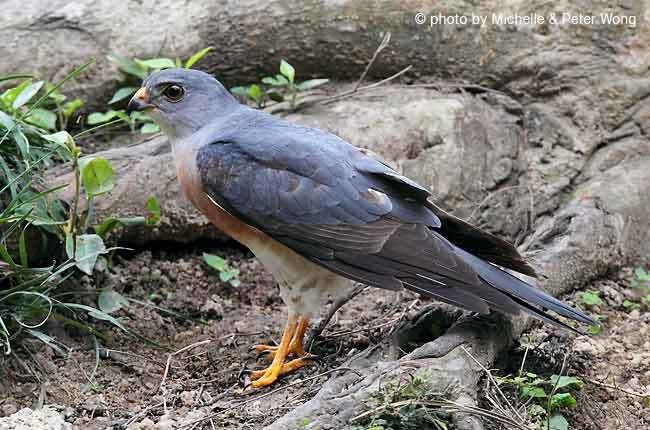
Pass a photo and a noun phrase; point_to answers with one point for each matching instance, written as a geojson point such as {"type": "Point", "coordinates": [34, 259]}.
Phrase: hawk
{"type": "Point", "coordinates": [320, 213]}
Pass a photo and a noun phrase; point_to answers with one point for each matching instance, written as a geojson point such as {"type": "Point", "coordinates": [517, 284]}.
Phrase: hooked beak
{"type": "Point", "coordinates": [139, 101]}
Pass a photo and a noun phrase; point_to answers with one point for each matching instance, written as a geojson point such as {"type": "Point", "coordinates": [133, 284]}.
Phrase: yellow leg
{"type": "Point", "coordinates": [274, 370]}
{"type": "Point", "coordinates": [295, 346]}
{"type": "Point", "coordinates": [287, 367]}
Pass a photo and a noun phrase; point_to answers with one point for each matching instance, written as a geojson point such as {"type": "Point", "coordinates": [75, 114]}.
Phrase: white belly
{"type": "Point", "coordinates": [304, 286]}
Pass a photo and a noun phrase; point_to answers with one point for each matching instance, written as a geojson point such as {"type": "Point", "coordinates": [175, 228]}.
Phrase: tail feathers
{"type": "Point", "coordinates": [525, 295]}
{"type": "Point", "coordinates": [481, 243]}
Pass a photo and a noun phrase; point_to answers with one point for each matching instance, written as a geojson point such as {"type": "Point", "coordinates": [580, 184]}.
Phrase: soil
{"type": "Point", "coordinates": [207, 350]}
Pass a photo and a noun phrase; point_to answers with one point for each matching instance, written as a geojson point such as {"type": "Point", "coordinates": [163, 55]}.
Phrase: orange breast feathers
{"type": "Point", "coordinates": [191, 185]}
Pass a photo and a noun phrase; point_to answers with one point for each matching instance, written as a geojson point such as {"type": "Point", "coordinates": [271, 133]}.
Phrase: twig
{"type": "Point", "coordinates": [261, 396]}
{"type": "Point", "coordinates": [496, 385]}
{"type": "Point", "coordinates": [616, 387]}
{"type": "Point", "coordinates": [446, 406]}
{"type": "Point", "coordinates": [142, 413]}
{"type": "Point", "coordinates": [168, 365]}
{"type": "Point", "coordinates": [353, 91]}
{"type": "Point", "coordinates": [456, 85]}
{"type": "Point", "coordinates": [347, 332]}
{"type": "Point", "coordinates": [382, 45]}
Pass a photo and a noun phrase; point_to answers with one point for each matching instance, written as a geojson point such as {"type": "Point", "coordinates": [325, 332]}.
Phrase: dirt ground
{"type": "Point", "coordinates": [118, 382]}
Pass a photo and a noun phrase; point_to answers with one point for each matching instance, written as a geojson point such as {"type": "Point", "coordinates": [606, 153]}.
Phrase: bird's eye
{"type": "Point", "coordinates": [173, 93]}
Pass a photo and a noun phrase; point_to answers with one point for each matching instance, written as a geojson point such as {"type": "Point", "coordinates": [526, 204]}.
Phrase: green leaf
{"type": "Point", "coordinates": [6, 121]}
{"type": "Point", "coordinates": [97, 314]}
{"type": "Point", "coordinates": [88, 248]}
{"type": "Point", "coordinates": [122, 93]}
{"type": "Point", "coordinates": [630, 305]}
{"type": "Point", "coordinates": [26, 94]}
{"type": "Point", "coordinates": [157, 63]}
{"type": "Point", "coordinates": [106, 226]}
{"type": "Point", "coordinates": [111, 223]}
{"type": "Point", "coordinates": [196, 57]}
{"type": "Point", "coordinates": [61, 138]}
{"type": "Point", "coordinates": [22, 250]}
{"type": "Point", "coordinates": [110, 301]}
{"type": "Point", "coordinates": [239, 91]}
{"type": "Point", "coordinates": [96, 175]}
{"type": "Point", "coordinates": [129, 67]}
{"type": "Point", "coordinates": [536, 410]}
{"type": "Point", "coordinates": [277, 81]}
{"type": "Point", "coordinates": [215, 262]}
{"type": "Point", "coordinates": [21, 142]}
{"type": "Point", "coordinates": [100, 118]}
{"type": "Point", "coordinates": [534, 392]}
{"type": "Point", "coordinates": [274, 95]}
{"type": "Point", "coordinates": [641, 274]}
{"type": "Point", "coordinates": [50, 341]}
{"type": "Point", "coordinates": [566, 382]}
{"type": "Point", "coordinates": [54, 93]}
{"type": "Point", "coordinates": [42, 118]}
{"type": "Point", "coordinates": [154, 210]}
{"type": "Point", "coordinates": [149, 128]}
{"type": "Point", "coordinates": [556, 422]}
{"type": "Point", "coordinates": [591, 298]}
{"type": "Point", "coordinates": [287, 70]}
{"type": "Point", "coordinates": [71, 107]}
{"type": "Point", "coordinates": [255, 93]}
{"type": "Point", "coordinates": [312, 83]}
{"type": "Point", "coordinates": [595, 329]}
{"type": "Point", "coordinates": [562, 400]}
{"type": "Point", "coordinates": [9, 96]}
{"type": "Point", "coordinates": [227, 275]}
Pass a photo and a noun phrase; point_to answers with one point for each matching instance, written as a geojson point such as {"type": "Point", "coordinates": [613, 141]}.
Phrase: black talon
{"type": "Point", "coordinates": [312, 357]}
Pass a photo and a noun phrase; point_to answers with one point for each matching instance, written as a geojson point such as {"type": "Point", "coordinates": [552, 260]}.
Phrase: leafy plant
{"type": "Point", "coordinates": [278, 88]}
{"type": "Point", "coordinates": [226, 273]}
{"type": "Point", "coordinates": [641, 290]}
{"type": "Point", "coordinates": [28, 295]}
{"type": "Point", "coordinates": [134, 71]}
{"type": "Point", "coordinates": [545, 398]}
{"type": "Point", "coordinates": [591, 298]}
{"type": "Point", "coordinates": [408, 404]}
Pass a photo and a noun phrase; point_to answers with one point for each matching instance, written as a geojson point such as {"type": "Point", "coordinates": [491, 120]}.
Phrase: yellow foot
{"type": "Point", "coordinates": [263, 378]}
{"type": "Point", "coordinates": [295, 346]}
{"type": "Point", "coordinates": [295, 349]}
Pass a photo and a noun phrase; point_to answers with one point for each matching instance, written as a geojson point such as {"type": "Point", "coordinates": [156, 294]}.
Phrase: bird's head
{"type": "Point", "coordinates": [181, 101]}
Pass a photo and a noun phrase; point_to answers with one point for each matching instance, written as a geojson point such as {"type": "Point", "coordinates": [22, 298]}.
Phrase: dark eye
{"type": "Point", "coordinates": [173, 93]}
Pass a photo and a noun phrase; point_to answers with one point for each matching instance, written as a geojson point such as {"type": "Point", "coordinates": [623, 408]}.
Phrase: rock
{"type": "Point", "coordinates": [145, 424]}
{"type": "Point", "coordinates": [45, 418]}
{"type": "Point", "coordinates": [8, 409]}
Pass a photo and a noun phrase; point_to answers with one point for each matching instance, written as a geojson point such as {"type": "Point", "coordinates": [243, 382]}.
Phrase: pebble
{"type": "Point", "coordinates": [9, 409]}
{"type": "Point", "coordinates": [145, 424]}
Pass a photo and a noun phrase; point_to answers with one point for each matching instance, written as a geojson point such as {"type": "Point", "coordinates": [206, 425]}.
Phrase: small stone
{"type": "Point", "coordinates": [69, 413]}
{"type": "Point", "coordinates": [9, 409]}
{"type": "Point", "coordinates": [187, 398]}
{"type": "Point", "coordinates": [145, 424]}
{"type": "Point", "coordinates": [166, 423]}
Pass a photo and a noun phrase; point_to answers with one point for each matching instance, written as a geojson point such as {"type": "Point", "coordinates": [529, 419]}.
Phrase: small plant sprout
{"type": "Point", "coordinates": [33, 115]}
{"type": "Point", "coordinates": [226, 273]}
{"type": "Point", "coordinates": [545, 398]}
{"type": "Point", "coordinates": [278, 88]}
{"type": "Point", "coordinates": [591, 298]}
{"type": "Point", "coordinates": [640, 290]}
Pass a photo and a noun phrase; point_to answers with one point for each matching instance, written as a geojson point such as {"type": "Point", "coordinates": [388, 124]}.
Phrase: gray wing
{"type": "Point", "coordinates": [341, 209]}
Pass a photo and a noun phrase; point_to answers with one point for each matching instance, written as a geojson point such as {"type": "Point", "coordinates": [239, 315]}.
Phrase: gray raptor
{"type": "Point", "coordinates": [320, 213]}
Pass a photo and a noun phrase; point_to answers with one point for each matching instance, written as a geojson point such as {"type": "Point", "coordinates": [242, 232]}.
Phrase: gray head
{"type": "Point", "coordinates": [182, 101]}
